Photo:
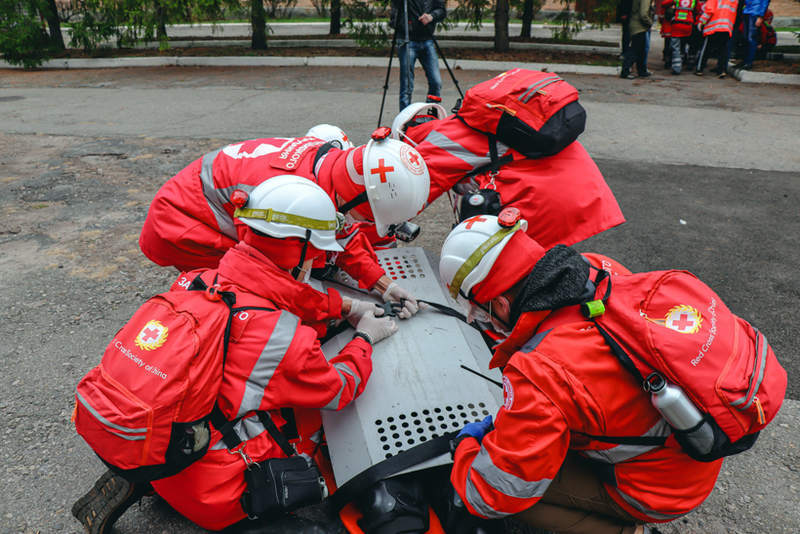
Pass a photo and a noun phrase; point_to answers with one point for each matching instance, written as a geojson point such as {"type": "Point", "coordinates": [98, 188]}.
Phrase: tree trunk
{"type": "Point", "coordinates": [501, 26]}
{"type": "Point", "coordinates": [336, 17]}
{"type": "Point", "coordinates": [161, 21]}
{"type": "Point", "coordinates": [258, 22]}
{"type": "Point", "coordinates": [54, 25]}
{"type": "Point", "coordinates": [527, 19]}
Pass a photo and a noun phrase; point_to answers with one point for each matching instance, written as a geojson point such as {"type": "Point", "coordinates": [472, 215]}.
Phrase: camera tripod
{"type": "Point", "coordinates": [409, 66]}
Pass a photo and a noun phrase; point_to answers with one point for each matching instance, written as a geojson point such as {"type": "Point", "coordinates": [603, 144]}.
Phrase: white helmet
{"type": "Point", "coordinates": [470, 250]}
{"type": "Point", "coordinates": [396, 180]}
{"type": "Point", "coordinates": [291, 206]}
{"type": "Point", "coordinates": [330, 133]}
{"type": "Point", "coordinates": [418, 111]}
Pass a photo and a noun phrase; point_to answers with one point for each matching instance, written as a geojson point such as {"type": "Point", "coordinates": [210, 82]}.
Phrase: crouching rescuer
{"type": "Point", "coordinates": [578, 446]}
{"type": "Point", "coordinates": [190, 399]}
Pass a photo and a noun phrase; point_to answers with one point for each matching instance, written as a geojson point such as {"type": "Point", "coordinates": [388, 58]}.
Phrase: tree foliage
{"type": "Point", "coordinates": [24, 39]}
{"type": "Point", "coordinates": [363, 24]}
{"type": "Point", "coordinates": [127, 22]}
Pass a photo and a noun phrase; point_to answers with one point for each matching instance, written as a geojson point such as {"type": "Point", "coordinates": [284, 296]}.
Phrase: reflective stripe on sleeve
{"type": "Point", "coordinates": [342, 368]}
{"type": "Point", "coordinates": [645, 510]}
{"type": "Point", "coordinates": [502, 482]}
{"type": "Point", "coordinates": [271, 356]}
{"type": "Point", "coordinates": [224, 221]}
{"type": "Point", "coordinates": [456, 150]}
{"type": "Point", "coordinates": [620, 453]}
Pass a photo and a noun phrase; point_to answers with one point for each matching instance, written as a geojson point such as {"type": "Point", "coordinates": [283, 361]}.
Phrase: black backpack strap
{"type": "Point", "coordinates": [417, 454]}
{"type": "Point", "coordinates": [495, 161]}
{"type": "Point", "coordinates": [629, 440]}
{"type": "Point", "coordinates": [276, 434]}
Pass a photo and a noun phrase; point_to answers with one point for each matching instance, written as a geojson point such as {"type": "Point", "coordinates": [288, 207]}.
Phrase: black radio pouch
{"type": "Point", "coordinates": [279, 485]}
{"type": "Point", "coordinates": [282, 485]}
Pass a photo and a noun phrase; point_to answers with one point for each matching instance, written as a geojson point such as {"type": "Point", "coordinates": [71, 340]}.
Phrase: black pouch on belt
{"type": "Point", "coordinates": [480, 202]}
{"type": "Point", "coordinates": [278, 485]}
{"type": "Point", "coordinates": [281, 485]}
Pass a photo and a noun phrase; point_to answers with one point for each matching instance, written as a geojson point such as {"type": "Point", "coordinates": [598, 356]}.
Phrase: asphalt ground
{"type": "Point", "coordinates": [706, 172]}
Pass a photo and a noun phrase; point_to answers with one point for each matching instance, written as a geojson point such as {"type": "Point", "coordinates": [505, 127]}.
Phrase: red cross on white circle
{"type": "Point", "coordinates": [150, 334]}
{"type": "Point", "coordinates": [683, 323]}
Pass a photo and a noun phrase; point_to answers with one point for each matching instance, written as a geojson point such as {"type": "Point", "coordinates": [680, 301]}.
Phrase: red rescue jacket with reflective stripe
{"type": "Point", "coordinates": [686, 11]}
{"type": "Point", "coordinates": [563, 197]}
{"type": "Point", "coordinates": [274, 361]}
{"type": "Point", "coordinates": [718, 16]}
{"type": "Point", "coordinates": [563, 385]}
{"type": "Point", "coordinates": [190, 223]}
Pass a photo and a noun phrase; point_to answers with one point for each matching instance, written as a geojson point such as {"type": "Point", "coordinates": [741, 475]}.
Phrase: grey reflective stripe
{"type": "Point", "coordinates": [476, 501]}
{"type": "Point", "coordinates": [453, 148]}
{"type": "Point", "coordinates": [344, 241]}
{"type": "Point", "coordinates": [342, 368]}
{"type": "Point", "coordinates": [129, 438]}
{"type": "Point", "coordinates": [533, 342]}
{"type": "Point", "coordinates": [620, 453]}
{"type": "Point", "coordinates": [506, 483]}
{"type": "Point", "coordinates": [440, 140]}
{"type": "Point", "coordinates": [246, 429]}
{"type": "Point", "coordinates": [642, 508]}
{"type": "Point", "coordinates": [751, 388]}
{"type": "Point", "coordinates": [215, 202]}
{"type": "Point", "coordinates": [271, 356]}
{"type": "Point", "coordinates": [106, 422]}
{"type": "Point", "coordinates": [541, 84]}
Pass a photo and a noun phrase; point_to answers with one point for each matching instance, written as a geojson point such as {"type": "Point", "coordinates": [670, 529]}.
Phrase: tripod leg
{"type": "Point", "coordinates": [453, 76]}
{"type": "Point", "coordinates": [386, 81]}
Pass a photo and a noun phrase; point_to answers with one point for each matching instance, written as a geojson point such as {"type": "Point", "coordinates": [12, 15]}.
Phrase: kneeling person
{"type": "Point", "coordinates": [274, 362]}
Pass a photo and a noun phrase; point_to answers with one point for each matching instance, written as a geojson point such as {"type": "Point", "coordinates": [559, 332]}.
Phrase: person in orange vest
{"type": "Point", "coordinates": [716, 23]}
{"type": "Point", "coordinates": [684, 13]}
{"type": "Point", "coordinates": [542, 458]}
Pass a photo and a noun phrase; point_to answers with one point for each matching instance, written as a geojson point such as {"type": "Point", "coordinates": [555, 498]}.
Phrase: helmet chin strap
{"type": "Point", "coordinates": [297, 270]}
{"type": "Point", "coordinates": [355, 201]}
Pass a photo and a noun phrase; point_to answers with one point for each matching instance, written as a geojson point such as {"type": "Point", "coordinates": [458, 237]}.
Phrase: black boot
{"type": "Point", "coordinates": [394, 506]}
{"type": "Point", "coordinates": [111, 495]}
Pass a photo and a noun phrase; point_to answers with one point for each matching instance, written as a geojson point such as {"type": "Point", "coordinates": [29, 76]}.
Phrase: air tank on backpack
{"type": "Point", "coordinates": [680, 412]}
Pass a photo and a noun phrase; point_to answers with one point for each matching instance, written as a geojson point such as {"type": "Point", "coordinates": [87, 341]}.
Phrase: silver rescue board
{"type": "Point", "coordinates": [418, 389]}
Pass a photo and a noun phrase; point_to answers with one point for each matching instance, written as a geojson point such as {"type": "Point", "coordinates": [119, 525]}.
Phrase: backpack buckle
{"type": "Point", "coordinates": [240, 451]}
{"type": "Point", "coordinates": [593, 308]}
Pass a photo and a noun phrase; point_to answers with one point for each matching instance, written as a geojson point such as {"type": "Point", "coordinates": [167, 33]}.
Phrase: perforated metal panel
{"type": "Point", "coordinates": [418, 389]}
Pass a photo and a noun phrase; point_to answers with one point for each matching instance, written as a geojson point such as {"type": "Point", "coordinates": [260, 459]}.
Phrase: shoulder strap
{"type": "Point", "coordinates": [357, 485]}
{"type": "Point", "coordinates": [218, 419]}
{"type": "Point", "coordinates": [276, 434]}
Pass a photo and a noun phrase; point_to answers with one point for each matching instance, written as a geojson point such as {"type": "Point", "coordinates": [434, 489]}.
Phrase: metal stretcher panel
{"type": "Point", "coordinates": [417, 390]}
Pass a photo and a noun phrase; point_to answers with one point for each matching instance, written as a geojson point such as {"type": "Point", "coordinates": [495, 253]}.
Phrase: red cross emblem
{"type": "Point", "coordinates": [683, 322]}
{"type": "Point", "coordinates": [473, 220]}
{"type": "Point", "coordinates": [414, 157]}
{"type": "Point", "coordinates": [150, 334]}
{"type": "Point", "coordinates": [382, 169]}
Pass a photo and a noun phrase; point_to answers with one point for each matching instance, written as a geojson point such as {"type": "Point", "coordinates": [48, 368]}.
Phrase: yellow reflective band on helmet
{"type": "Point", "coordinates": [271, 215]}
{"type": "Point", "coordinates": [475, 258]}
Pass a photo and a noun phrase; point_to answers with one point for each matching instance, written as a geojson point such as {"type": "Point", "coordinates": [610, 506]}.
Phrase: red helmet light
{"type": "Point", "coordinates": [239, 198]}
{"type": "Point", "coordinates": [508, 217]}
{"type": "Point", "coordinates": [381, 133]}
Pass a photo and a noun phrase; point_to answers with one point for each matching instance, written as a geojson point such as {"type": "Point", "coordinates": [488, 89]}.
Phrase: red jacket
{"type": "Point", "coordinates": [563, 197]}
{"type": "Point", "coordinates": [190, 222]}
{"type": "Point", "coordinates": [718, 16]}
{"type": "Point", "coordinates": [561, 387]}
{"type": "Point", "coordinates": [274, 361]}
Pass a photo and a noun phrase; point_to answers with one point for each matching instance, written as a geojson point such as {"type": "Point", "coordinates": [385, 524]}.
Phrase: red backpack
{"type": "Point", "coordinates": [672, 324]}
{"type": "Point", "coordinates": [145, 409]}
{"type": "Point", "coordinates": [536, 113]}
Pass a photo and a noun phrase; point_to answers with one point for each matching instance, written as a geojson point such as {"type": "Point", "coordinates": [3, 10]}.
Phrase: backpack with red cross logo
{"type": "Point", "coordinates": [534, 112]}
{"type": "Point", "coordinates": [671, 326]}
{"type": "Point", "coordinates": [145, 409]}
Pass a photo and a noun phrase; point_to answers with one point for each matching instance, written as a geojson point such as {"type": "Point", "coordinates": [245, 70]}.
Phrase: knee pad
{"type": "Point", "coordinates": [394, 506]}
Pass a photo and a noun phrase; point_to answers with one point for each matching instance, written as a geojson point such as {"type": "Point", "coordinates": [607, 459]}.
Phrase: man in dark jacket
{"type": "Point", "coordinates": [415, 21]}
